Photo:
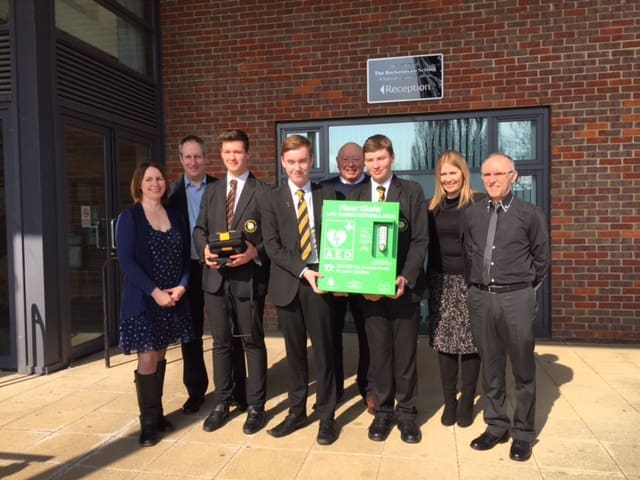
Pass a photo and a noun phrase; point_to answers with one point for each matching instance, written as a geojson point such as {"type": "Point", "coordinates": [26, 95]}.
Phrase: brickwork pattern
{"type": "Point", "coordinates": [251, 64]}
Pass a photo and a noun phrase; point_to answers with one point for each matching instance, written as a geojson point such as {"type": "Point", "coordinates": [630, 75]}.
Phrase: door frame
{"type": "Point", "coordinates": [73, 352]}
{"type": "Point", "coordinates": [113, 134]}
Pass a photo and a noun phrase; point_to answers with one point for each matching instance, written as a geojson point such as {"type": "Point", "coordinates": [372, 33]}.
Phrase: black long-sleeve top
{"type": "Point", "coordinates": [445, 232]}
{"type": "Point", "coordinates": [445, 248]}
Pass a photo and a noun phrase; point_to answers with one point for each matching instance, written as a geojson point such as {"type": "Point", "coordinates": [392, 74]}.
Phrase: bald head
{"type": "Point", "coordinates": [350, 162]}
{"type": "Point", "coordinates": [498, 173]}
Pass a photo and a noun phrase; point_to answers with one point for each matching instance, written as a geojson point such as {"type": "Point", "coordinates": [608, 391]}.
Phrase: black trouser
{"type": "Point", "coordinates": [231, 317]}
{"type": "Point", "coordinates": [312, 314]}
{"type": "Point", "coordinates": [194, 374]}
{"type": "Point", "coordinates": [363, 376]}
{"type": "Point", "coordinates": [503, 326]}
{"type": "Point", "coordinates": [392, 331]}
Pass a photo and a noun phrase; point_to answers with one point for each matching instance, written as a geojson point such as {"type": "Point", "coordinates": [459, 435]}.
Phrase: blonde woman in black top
{"type": "Point", "coordinates": [450, 330]}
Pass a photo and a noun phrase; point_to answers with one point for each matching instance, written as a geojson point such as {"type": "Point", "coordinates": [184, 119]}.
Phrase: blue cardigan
{"type": "Point", "coordinates": [132, 240]}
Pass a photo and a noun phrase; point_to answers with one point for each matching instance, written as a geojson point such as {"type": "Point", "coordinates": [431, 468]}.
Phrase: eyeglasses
{"type": "Point", "coordinates": [496, 174]}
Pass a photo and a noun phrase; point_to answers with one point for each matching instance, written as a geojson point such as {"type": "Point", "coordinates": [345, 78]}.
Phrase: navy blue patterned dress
{"type": "Point", "coordinates": [159, 327]}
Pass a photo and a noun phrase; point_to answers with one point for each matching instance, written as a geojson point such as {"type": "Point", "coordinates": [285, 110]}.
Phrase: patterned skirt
{"type": "Point", "coordinates": [155, 330]}
{"type": "Point", "coordinates": [449, 325]}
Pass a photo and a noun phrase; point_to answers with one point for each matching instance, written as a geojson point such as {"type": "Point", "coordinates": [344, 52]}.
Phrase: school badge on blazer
{"type": "Point", "coordinates": [251, 226]}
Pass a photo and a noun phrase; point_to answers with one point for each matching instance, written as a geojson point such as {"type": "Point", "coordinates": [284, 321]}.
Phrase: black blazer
{"type": "Point", "coordinates": [413, 234]}
{"type": "Point", "coordinates": [281, 241]}
{"type": "Point", "coordinates": [213, 219]}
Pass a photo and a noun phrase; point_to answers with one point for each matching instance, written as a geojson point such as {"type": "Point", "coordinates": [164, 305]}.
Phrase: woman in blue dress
{"type": "Point", "coordinates": [153, 249]}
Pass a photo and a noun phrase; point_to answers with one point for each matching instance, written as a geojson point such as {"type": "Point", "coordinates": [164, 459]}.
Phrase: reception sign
{"type": "Point", "coordinates": [405, 79]}
{"type": "Point", "coordinates": [359, 246]}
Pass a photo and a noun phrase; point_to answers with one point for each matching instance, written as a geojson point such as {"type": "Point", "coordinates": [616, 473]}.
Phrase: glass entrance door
{"type": "Point", "coordinates": [99, 166]}
{"type": "Point", "coordinates": [86, 154]}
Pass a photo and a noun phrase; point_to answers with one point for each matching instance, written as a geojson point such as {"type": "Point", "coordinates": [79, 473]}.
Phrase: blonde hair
{"type": "Point", "coordinates": [454, 158]}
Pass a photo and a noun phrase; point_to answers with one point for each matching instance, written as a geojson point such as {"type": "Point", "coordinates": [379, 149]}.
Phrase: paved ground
{"type": "Point", "coordinates": [82, 423]}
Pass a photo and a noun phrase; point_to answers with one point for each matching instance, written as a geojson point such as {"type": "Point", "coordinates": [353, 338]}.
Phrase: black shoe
{"type": "Point", "coordinates": [465, 411]}
{"type": "Point", "coordinates": [449, 413]}
{"type": "Point", "coordinates": [164, 425]}
{"type": "Point", "coordinates": [216, 418]}
{"type": "Point", "coordinates": [327, 433]}
{"type": "Point", "coordinates": [290, 424]}
{"type": "Point", "coordinates": [148, 431]}
{"type": "Point", "coordinates": [192, 405]}
{"type": "Point", "coordinates": [239, 404]}
{"type": "Point", "coordinates": [380, 428]}
{"type": "Point", "coordinates": [520, 450]}
{"type": "Point", "coordinates": [409, 431]}
{"type": "Point", "coordinates": [486, 441]}
{"type": "Point", "coordinates": [255, 420]}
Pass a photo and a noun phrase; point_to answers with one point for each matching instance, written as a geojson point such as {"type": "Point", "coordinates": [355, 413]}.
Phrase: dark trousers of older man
{"type": "Point", "coordinates": [503, 326]}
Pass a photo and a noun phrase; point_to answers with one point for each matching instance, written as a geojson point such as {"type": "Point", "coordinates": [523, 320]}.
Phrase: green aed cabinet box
{"type": "Point", "coordinates": [358, 248]}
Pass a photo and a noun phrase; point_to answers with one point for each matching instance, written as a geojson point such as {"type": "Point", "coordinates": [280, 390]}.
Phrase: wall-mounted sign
{"type": "Point", "coordinates": [359, 247]}
{"type": "Point", "coordinates": [405, 79]}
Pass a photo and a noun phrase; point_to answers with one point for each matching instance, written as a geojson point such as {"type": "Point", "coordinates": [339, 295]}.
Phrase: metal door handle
{"type": "Point", "coordinates": [112, 233]}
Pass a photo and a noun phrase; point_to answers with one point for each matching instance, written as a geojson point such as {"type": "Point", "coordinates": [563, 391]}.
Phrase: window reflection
{"type": "Point", "coordinates": [4, 11]}
{"type": "Point", "coordinates": [525, 188]}
{"type": "Point", "coordinates": [417, 145]}
{"type": "Point", "coordinates": [103, 29]}
{"type": "Point", "coordinates": [141, 8]}
{"type": "Point", "coordinates": [518, 139]}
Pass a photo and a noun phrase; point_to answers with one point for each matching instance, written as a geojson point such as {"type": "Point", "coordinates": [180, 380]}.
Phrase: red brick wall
{"type": "Point", "coordinates": [251, 64]}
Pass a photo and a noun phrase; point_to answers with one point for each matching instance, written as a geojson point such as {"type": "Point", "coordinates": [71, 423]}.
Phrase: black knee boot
{"type": "Point", "coordinates": [470, 371]}
{"type": "Point", "coordinates": [148, 402]}
{"type": "Point", "coordinates": [164, 425]}
{"type": "Point", "coordinates": [449, 376]}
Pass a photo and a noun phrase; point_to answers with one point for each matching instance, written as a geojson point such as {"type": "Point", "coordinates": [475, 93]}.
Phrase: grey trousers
{"type": "Point", "coordinates": [503, 326]}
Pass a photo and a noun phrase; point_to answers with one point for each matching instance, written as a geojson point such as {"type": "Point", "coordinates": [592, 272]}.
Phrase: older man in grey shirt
{"type": "Point", "coordinates": [506, 248]}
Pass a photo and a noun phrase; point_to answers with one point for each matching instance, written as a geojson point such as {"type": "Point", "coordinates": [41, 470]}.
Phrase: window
{"type": "Point", "coordinates": [4, 11]}
{"type": "Point", "coordinates": [120, 36]}
{"type": "Point", "coordinates": [140, 8]}
{"type": "Point", "coordinates": [418, 141]}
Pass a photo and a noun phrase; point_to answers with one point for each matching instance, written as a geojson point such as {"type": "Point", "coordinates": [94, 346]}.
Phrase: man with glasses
{"type": "Point", "coordinates": [506, 248]}
{"type": "Point", "coordinates": [350, 161]}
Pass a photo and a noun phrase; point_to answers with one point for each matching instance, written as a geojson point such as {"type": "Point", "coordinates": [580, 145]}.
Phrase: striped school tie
{"type": "Point", "coordinates": [380, 190]}
{"type": "Point", "coordinates": [303, 227]}
{"type": "Point", "coordinates": [231, 199]}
